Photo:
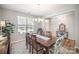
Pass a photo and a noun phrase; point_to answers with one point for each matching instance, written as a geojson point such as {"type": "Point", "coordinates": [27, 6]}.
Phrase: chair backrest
{"type": "Point", "coordinates": [27, 37]}
{"type": "Point", "coordinates": [68, 43]}
{"type": "Point", "coordinates": [59, 40]}
{"type": "Point", "coordinates": [27, 34]}
{"type": "Point", "coordinates": [71, 43]}
{"type": "Point", "coordinates": [40, 31]}
{"type": "Point", "coordinates": [34, 41]}
{"type": "Point", "coordinates": [3, 45]}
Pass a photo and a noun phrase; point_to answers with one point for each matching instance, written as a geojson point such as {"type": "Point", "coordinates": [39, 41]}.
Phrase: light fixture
{"type": "Point", "coordinates": [2, 24]}
{"type": "Point", "coordinates": [40, 19]}
{"type": "Point", "coordinates": [46, 21]}
{"type": "Point", "coordinates": [36, 19]}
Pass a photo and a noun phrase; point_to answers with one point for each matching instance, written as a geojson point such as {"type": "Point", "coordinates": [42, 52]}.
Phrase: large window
{"type": "Point", "coordinates": [25, 24]}
{"type": "Point", "coordinates": [21, 24]}
{"type": "Point", "coordinates": [30, 24]}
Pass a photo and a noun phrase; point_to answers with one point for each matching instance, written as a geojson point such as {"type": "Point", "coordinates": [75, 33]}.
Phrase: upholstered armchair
{"type": "Point", "coordinates": [3, 45]}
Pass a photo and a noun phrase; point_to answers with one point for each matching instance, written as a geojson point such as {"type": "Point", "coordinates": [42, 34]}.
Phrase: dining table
{"type": "Point", "coordinates": [45, 42]}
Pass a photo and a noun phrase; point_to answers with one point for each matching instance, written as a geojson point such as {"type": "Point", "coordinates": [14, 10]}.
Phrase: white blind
{"type": "Point", "coordinates": [21, 24]}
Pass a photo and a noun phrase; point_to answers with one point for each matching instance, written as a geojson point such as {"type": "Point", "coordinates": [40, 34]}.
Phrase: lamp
{"type": "Point", "coordinates": [2, 24]}
{"type": "Point", "coordinates": [46, 21]}
{"type": "Point", "coordinates": [36, 19]}
{"type": "Point", "coordinates": [40, 19]}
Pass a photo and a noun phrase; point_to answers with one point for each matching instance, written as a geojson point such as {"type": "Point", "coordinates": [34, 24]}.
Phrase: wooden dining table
{"type": "Point", "coordinates": [45, 42]}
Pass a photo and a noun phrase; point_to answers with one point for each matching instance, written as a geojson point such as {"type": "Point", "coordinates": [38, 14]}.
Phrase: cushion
{"type": "Point", "coordinates": [3, 46]}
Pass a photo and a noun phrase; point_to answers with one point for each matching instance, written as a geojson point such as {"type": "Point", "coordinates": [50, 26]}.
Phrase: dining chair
{"type": "Point", "coordinates": [3, 45]}
{"type": "Point", "coordinates": [35, 46]}
{"type": "Point", "coordinates": [68, 47]}
{"type": "Point", "coordinates": [28, 41]}
{"type": "Point", "coordinates": [27, 38]}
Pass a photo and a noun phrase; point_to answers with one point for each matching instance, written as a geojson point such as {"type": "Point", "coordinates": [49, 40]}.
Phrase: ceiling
{"type": "Point", "coordinates": [37, 9]}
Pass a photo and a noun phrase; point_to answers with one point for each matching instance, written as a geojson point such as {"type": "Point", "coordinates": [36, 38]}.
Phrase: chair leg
{"type": "Point", "coordinates": [29, 48]}
{"type": "Point", "coordinates": [26, 44]}
{"type": "Point", "coordinates": [32, 50]}
{"type": "Point", "coordinates": [37, 52]}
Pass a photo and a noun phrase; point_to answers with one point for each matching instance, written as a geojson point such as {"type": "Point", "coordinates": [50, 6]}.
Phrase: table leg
{"type": "Point", "coordinates": [47, 50]}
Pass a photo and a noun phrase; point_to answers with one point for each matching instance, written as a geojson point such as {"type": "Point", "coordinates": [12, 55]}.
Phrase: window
{"type": "Point", "coordinates": [25, 24]}
{"type": "Point", "coordinates": [30, 24]}
{"type": "Point", "coordinates": [21, 24]}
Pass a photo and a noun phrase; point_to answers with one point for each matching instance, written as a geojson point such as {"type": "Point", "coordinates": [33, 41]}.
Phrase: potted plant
{"type": "Point", "coordinates": [7, 29]}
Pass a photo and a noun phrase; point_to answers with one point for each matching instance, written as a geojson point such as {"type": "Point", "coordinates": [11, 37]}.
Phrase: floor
{"type": "Point", "coordinates": [19, 48]}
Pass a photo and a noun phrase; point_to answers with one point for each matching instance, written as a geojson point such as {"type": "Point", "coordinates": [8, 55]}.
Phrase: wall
{"type": "Point", "coordinates": [68, 19]}
{"type": "Point", "coordinates": [77, 27]}
{"type": "Point", "coordinates": [0, 13]}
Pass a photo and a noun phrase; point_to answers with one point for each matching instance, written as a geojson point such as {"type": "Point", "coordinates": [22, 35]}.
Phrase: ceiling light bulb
{"type": "Point", "coordinates": [46, 20]}
{"type": "Point", "coordinates": [3, 23]}
{"type": "Point", "coordinates": [36, 19]}
{"type": "Point", "coordinates": [40, 19]}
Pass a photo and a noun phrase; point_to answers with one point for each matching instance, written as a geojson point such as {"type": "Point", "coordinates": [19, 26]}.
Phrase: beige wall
{"type": "Point", "coordinates": [0, 13]}
{"type": "Point", "coordinates": [77, 27]}
{"type": "Point", "coordinates": [68, 19]}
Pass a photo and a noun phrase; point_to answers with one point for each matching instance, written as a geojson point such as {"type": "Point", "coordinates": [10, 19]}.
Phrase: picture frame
{"type": "Point", "coordinates": [62, 27]}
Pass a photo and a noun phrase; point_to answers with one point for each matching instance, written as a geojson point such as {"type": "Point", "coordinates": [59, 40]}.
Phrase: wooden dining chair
{"type": "Point", "coordinates": [27, 38]}
{"type": "Point", "coordinates": [35, 46]}
{"type": "Point", "coordinates": [28, 41]}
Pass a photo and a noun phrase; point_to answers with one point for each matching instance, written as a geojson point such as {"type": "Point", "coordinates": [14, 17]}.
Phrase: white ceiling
{"type": "Point", "coordinates": [37, 9]}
